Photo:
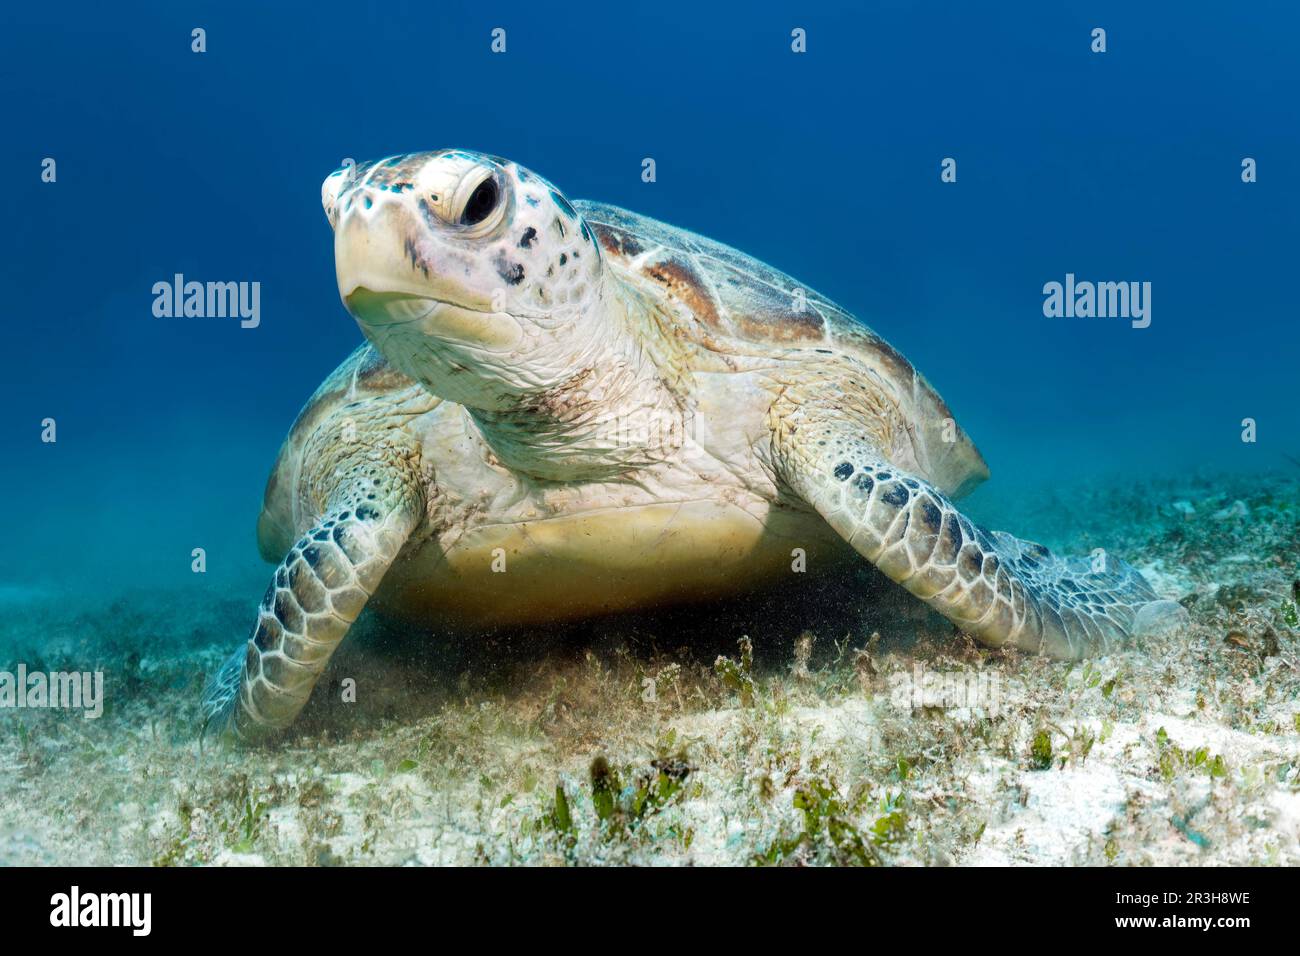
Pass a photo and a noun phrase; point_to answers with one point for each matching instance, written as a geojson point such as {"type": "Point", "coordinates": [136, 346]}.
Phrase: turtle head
{"type": "Point", "coordinates": [469, 273]}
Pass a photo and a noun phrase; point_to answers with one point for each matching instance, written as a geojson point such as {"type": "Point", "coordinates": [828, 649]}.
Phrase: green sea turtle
{"type": "Point", "coordinates": [567, 409]}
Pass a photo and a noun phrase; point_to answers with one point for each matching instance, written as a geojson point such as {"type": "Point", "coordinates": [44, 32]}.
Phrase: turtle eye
{"type": "Point", "coordinates": [481, 203]}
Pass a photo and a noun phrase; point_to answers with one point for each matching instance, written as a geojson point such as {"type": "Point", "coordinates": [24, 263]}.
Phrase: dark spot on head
{"type": "Point", "coordinates": [843, 470]}
{"type": "Point", "coordinates": [367, 513]}
{"type": "Point", "coordinates": [564, 205]}
{"type": "Point", "coordinates": [563, 258]}
{"type": "Point", "coordinates": [526, 240]}
{"type": "Point", "coordinates": [512, 272]}
{"type": "Point", "coordinates": [863, 483]}
{"type": "Point", "coordinates": [413, 255]}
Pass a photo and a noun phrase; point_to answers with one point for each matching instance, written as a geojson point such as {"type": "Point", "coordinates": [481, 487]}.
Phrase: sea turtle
{"type": "Point", "coordinates": [566, 409]}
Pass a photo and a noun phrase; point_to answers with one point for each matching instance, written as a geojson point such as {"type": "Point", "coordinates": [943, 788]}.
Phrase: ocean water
{"type": "Point", "coordinates": [1122, 166]}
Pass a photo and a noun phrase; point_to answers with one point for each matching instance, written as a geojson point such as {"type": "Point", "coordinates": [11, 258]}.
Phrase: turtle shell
{"type": "Point", "coordinates": [363, 374]}
{"type": "Point", "coordinates": [733, 297]}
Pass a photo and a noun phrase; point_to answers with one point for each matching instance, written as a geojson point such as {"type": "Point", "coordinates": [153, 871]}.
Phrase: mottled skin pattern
{"type": "Point", "coordinates": [566, 409]}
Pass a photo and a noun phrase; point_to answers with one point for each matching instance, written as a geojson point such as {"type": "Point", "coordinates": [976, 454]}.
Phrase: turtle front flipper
{"type": "Point", "coordinates": [1000, 589]}
{"type": "Point", "coordinates": [315, 595]}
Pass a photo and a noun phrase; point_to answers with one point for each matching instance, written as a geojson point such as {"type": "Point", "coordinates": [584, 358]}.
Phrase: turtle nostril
{"type": "Point", "coordinates": [361, 196]}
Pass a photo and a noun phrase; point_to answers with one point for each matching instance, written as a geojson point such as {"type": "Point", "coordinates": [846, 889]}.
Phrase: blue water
{"type": "Point", "coordinates": [1117, 166]}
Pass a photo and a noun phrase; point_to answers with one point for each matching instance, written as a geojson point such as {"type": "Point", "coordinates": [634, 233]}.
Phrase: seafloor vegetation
{"type": "Point", "coordinates": [678, 739]}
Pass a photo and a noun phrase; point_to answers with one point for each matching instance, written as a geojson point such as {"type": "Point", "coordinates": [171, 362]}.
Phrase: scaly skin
{"type": "Point", "coordinates": [365, 484]}
{"type": "Point", "coordinates": [827, 445]}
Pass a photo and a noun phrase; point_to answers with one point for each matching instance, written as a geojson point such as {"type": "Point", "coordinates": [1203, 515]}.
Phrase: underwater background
{"type": "Point", "coordinates": [1117, 166]}
{"type": "Point", "coordinates": [1122, 166]}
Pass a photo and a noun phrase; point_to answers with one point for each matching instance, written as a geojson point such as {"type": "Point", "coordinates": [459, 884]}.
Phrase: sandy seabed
{"type": "Point", "coordinates": [849, 725]}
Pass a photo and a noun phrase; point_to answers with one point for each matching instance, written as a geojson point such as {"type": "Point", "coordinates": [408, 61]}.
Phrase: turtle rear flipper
{"type": "Point", "coordinates": [316, 594]}
{"type": "Point", "coordinates": [1000, 589]}
{"type": "Point", "coordinates": [221, 691]}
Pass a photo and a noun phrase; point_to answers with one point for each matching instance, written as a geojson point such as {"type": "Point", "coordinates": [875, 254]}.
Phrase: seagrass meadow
{"type": "Point", "coordinates": [768, 734]}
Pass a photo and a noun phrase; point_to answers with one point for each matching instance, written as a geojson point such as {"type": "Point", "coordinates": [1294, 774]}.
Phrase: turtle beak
{"type": "Point", "coordinates": [390, 318]}
{"type": "Point", "coordinates": [387, 308]}
{"type": "Point", "coordinates": [376, 249]}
